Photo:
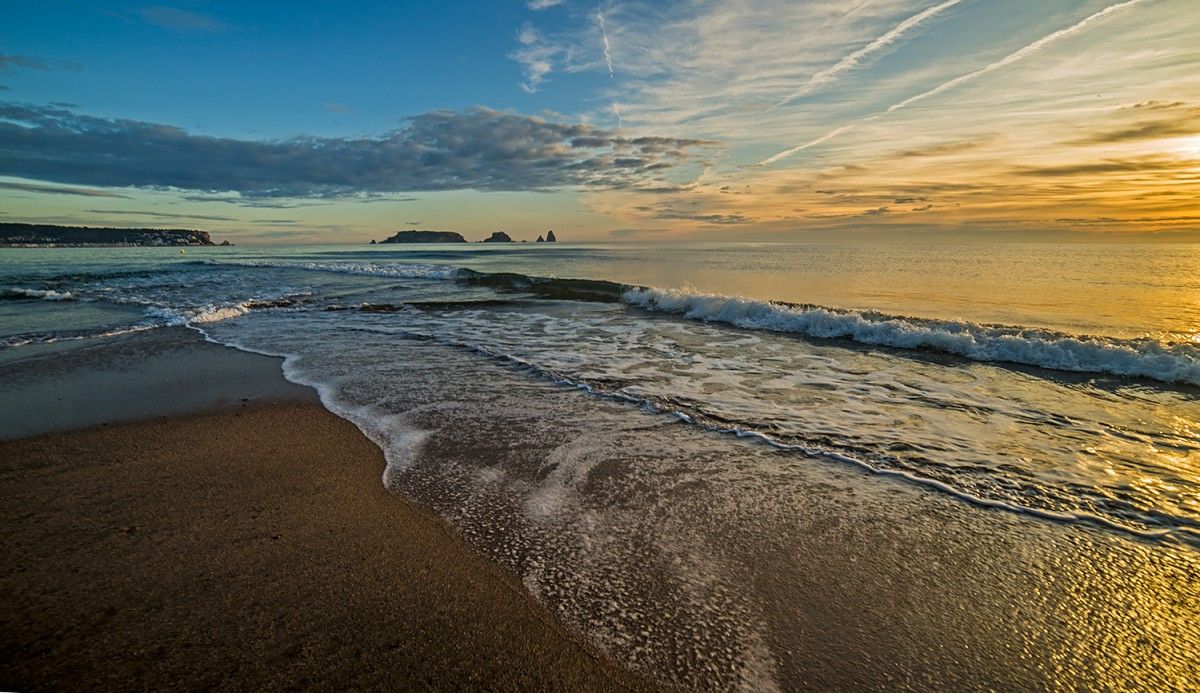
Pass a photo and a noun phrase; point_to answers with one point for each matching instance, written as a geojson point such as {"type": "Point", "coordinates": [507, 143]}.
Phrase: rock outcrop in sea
{"type": "Point", "coordinates": [415, 236]}
{"type": "Point", "coordinates": [498, 237]}
{"type": "Point", "coordinates": [550, 237]}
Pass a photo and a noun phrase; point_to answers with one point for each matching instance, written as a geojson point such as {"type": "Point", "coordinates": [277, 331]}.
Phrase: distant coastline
{"type": "Point", "coordinates": [14, 235]}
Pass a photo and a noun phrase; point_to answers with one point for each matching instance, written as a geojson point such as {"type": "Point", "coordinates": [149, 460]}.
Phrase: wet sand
{"type": "Point", "coordinates": [252, 545]}
{"type": "Point", "coordinates": [249, 546]}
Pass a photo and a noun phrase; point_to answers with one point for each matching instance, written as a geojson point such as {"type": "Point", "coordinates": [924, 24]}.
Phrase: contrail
{"type": "Point", "coordinates": [823, 77]}
{"type": "Point", "coordinates": [607, 48]}
{"type": "Point", "coordinates": [823, 138]}
{"type": "Point", "coordinates": [961, 79]}
{"type": "Point", "coordinates": [608, 60]}
{"type": "Point", "coordinates": [1015, 56]}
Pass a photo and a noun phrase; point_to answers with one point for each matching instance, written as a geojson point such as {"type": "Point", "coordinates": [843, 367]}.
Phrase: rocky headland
{"type": "Point", "coordinates": [36, 235]}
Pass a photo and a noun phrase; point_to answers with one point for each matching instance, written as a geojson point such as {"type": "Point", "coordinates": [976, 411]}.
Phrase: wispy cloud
{"type": "Point", "coordinates": [537, 5]}
{"type": "Point", "coordinates": [55, 190]}
{"type": "Point", "coordinates": [179, 20]}
{"type": "Point", "coordinates": [10, 62]}
{"type": "Point", "coordinates": [161, 215]}
{"type": "Point", "coordinates": [535, 55]}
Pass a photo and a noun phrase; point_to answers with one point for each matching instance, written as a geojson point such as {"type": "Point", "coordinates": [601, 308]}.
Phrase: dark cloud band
{"type": "Point", "coordinates": [478, 149]}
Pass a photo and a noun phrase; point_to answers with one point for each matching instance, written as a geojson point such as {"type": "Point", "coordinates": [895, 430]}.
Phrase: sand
{"type": "Point", "coordinates": [250, 546]}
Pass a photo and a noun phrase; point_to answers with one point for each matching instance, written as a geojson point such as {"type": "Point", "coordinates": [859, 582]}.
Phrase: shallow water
{"type": "Point", "coordinates": [630, 444]}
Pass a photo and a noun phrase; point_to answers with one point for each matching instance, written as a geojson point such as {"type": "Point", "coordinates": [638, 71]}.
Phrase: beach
{"type": "Point", "coordinates": [246, 545]}
{"type": "Point", "coordinates": [330, 467]}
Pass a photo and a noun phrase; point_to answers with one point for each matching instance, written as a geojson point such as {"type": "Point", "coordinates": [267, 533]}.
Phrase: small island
{"type": "Point", "coordinates": [14, 235]}
{"type": "Point", "coordinates": [498, 237]}
{"type": "Point", "coordinates": [415, 236]}
{"type": "Point", "coordinates": [418, 236]}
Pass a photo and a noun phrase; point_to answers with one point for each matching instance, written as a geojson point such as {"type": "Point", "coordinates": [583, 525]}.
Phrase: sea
{"type": "Point", "coordinates": [633, 428]}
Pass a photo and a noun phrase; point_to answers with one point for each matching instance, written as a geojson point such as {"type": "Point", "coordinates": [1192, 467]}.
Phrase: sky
{"type": "Point", "coordinates": [735, 120]}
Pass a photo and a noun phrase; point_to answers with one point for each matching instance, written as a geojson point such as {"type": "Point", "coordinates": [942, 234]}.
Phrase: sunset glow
{"type": "Point", "coordinates": [774, 119]}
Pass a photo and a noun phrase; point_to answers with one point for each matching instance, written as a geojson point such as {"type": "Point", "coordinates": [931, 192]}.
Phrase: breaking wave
{"type": "Point", "coordinates": [1170, 362]}
{"type": "Point", "coordinates": [1143, 358]}
{"type": "Point", "coordinates": [43, 294]}
{"type": "Point", "coordinates": [395, 270]}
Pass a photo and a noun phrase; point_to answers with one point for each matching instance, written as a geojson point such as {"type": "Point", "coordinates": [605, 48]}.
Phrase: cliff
{"type": "Point", "coordinates": [415, 236]}
{"type": "Point", "coordinates": [50, 235]}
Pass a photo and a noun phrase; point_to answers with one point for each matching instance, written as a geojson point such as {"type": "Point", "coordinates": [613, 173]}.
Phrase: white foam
{"type": "Point", "coordinates": [399, 440]}
{"type": "Point", "coordinates": [391, 269]}
{"type": "Point", "coordinates": [23, 340]}
{"type": "Point", "coordinates": [1146, 358]}
{"type": "Point", "coordinates": [44, 294]}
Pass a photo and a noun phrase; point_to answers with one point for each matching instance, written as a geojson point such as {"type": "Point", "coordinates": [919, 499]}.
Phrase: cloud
{"type": "Point", "coordinates": [537, 5]}
{"type": "Point", "coordinates": [1143, 164]}
{"type": "Point", "coordinates": [9, 62]}
{"type": "Point", "coordinates": [945, 148]}
{"type": "Point", "coordinates": [1180, 122]}
{"type": "Point", "coordinates": [478, 149]}
{"type": "Point", "coordinates": [179, 20]}
{"type": "Point", "coordinates": [824, 77]}
{"type": "Point", "coordinates": [54, 190]}
{"type": "Point", "coordinates": [719, 219]}
{"type": "Point", "coordinates": [1153, 105]}
{"type": "Point", "coordinates": [161, 215]}
{"type": "Point", "coordinates": [536, 57]}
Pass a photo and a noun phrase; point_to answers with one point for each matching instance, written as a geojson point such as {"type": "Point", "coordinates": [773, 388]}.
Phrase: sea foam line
{"type": "Point", "coordinates": [1146, 358]}
{"type": "Point", "coordinates": [1183, 534]}
{"type": "Point", "coordinates": [369, 269]}
{"type": "Point", "coordinates": [399, 441]}
{"type": "Point", "coordinates": [44, 294]}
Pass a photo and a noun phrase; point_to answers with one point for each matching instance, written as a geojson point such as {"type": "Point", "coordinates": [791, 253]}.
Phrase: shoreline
{"type": "Point", "coordinates": [251, 544]}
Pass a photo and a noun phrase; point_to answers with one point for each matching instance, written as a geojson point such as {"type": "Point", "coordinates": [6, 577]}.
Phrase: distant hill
{"type": "Point", "coordinates": [50, 235]}
{"type": "Point", "coordinates": [415, 236]}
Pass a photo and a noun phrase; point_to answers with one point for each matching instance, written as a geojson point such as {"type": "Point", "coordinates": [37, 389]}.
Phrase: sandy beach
{"type": "Point", "coordinates": [205, 523]}
{"type": "Point", "coordinates": [250, 545]}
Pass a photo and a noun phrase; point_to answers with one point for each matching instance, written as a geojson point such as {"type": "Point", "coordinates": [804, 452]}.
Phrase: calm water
{"type": "Point", "coordinates": [1055, 382]}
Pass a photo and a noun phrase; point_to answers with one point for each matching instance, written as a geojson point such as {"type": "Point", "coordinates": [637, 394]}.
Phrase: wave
{"type": "Point", "coordinates": [183, 317]}
{"type": "Point", "coordinates": [1145, 358]}
{"type": "Point", "coordinates": [544, 287]}
{"type": "Point", "coordinates": [20, 340]}
{"type": "Point", "coordinates": [19, 293]}
{"type": "Point", "coordinates": [1170, 362]}
{"type": "Point", "coordinates": [1163, 527]}
{"type": "Point", "coordinates": [597, 290]}
{"type": "Point", "coordinates": [391, 269]}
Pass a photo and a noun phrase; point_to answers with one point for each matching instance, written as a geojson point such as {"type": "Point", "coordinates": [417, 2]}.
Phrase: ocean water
{"type": "Point", "coordinates": [609, 420]}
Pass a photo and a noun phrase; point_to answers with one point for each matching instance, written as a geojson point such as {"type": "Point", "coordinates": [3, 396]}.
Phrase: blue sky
{"type": "Point", "coordinates": [247, 69]}
{"type": "Point", "coordinates": [740, 119]}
